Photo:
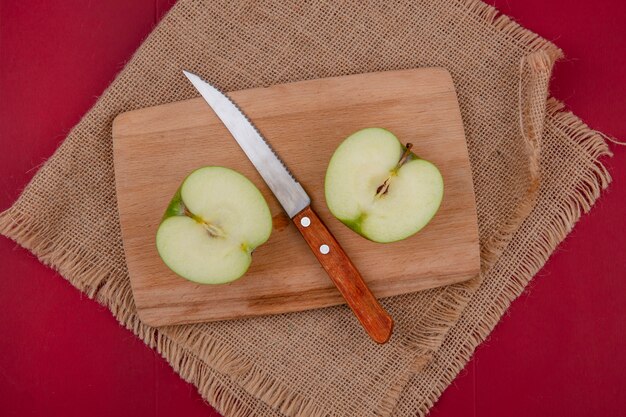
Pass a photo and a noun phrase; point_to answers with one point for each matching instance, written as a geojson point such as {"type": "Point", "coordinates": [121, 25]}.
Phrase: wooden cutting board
{"type": "Point", "coordinates": [155, 148]}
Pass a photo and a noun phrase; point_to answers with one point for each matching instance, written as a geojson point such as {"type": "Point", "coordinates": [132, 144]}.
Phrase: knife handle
{"type": "Point", "coordinates": [376, 321]}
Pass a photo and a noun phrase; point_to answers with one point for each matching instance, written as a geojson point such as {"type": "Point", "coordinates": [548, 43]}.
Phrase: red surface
{"type": "Point", "coordinates": [559, 351]}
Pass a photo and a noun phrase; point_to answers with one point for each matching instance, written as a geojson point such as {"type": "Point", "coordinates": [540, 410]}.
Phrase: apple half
{"type": "Point", "coordinates": [379, 188]}
{"type": "Point", "coordinates": [211, 226]}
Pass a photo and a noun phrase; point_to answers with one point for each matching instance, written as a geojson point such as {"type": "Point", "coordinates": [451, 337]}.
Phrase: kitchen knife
{"type": "Point", "coordinates": [297, 204]}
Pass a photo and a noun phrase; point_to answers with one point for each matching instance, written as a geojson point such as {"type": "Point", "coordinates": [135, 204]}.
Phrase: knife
{"type": "Point", "coordinates": [296, 202]}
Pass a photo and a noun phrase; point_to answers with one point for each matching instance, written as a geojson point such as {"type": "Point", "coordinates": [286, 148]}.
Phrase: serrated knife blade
{"type": "Point", "coordinates": [287, 190]}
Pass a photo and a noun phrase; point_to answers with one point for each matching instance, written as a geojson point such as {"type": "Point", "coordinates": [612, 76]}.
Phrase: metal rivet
{"type": "Point", "coordinates": [324, 249]}
{"type": "Point", "coordinates": [305, 221]}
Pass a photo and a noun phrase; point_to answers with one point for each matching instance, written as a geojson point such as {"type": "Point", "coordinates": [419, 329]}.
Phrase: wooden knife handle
{"type": "Point", "coordinates": [376, 321]}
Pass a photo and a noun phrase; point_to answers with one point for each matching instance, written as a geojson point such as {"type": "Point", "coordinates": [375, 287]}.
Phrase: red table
{"type": "Point", "coordinates": [559, 351]}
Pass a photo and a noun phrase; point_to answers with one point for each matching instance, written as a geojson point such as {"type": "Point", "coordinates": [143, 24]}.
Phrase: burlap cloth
{"type": "Point", "coordinates": [535, 170]}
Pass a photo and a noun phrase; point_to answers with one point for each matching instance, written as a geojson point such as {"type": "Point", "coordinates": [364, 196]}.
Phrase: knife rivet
{"type": "Point", "coordinates": [324, 249]}
{"type": "Point", "coordinates": [305, 222]}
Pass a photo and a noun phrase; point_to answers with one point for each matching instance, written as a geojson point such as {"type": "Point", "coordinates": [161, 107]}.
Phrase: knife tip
{"type": "Point", "coordinates": [189, 74]}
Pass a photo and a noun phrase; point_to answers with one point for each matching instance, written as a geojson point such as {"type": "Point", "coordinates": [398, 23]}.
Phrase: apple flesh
{"type": "Point", "coordinates": [211, 226]}
{"type": "Point", "coordinates": [379, 188]}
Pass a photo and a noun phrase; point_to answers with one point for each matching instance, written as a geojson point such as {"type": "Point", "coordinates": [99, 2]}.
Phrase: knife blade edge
{"type": "Point", "coordinates": [265, 159]}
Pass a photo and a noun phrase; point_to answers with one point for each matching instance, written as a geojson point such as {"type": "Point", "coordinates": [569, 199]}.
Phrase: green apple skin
{"type": "Point", "coordinates": [176, 206]}
{"type": "Point", "coordinates": [215, 220]}
{"type": "Point", "coordinates": [378, 189]}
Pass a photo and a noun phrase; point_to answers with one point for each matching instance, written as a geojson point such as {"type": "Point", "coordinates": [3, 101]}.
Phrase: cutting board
{"type": "Point", "coordinates": [155, 148]}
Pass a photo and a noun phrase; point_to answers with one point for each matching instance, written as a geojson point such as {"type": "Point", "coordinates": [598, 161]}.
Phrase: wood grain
{"type": "Point", "coordinates": [374, 319]}
{"type": "Point", "coordinates": [155, 148]}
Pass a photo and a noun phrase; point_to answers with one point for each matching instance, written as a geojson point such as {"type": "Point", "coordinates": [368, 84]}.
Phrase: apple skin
{"type": "Point", "coordinates": [176, 206]}
{"type": "Point", "coordinates": [218, 251]}
{"type": "Point", "coordinates": [379, 188]}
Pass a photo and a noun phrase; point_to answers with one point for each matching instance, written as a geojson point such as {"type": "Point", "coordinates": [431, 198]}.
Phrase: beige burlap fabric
{"type": "Point", "coordinates": [535, 170]}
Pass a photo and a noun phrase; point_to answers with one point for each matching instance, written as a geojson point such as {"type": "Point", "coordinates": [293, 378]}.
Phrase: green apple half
{"type": "Point", "coordinates": [379, 188]}
{"type": "Point", "coordinates": [210, 228]}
